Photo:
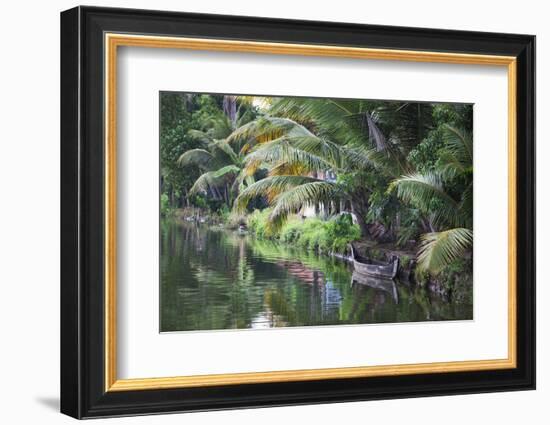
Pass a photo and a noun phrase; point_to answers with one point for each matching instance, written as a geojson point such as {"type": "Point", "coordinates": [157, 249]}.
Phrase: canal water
{"type": "Point", "coordinates": [213, 278]}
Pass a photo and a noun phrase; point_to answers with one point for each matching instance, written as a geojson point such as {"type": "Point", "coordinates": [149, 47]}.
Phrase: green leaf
{"type": "Point", "coordinates": [421, 189]}
{"type": "Point", "coordinates": [199, 157]}
{"type": "Point", "coordinates": [439, 249]}
{"type": "Point", "coordinates": [269, 187]}
{"type": "Point", "coordinates": [307, 194]}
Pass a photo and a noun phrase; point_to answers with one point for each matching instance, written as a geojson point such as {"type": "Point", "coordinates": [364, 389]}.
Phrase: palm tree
{"type": "Point", "coordinates": [295, 157]}
{"type": "Point", "coordinates": [222, 155]}
{"type": "Point", "coordinates": [451, 213]}
{"type": "Point", "coordinates": [351, 137]}
{"type": "Point", "coordinates": [310, 137]}
{"type": "Point", "coordinates": [220, 162]}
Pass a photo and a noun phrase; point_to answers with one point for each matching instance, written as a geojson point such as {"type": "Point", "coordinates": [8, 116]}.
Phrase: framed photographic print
{"type": "Point", "coordinates": [261, 212]}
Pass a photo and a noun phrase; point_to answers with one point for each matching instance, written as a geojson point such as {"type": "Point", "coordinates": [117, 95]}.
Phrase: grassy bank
{"type": "Point", "coordinates": [331, 236]}
{"type": "Point", "coordinates": [335, 235]}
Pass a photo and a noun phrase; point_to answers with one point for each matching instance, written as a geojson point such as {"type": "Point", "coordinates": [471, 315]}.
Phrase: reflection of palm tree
{"type": "Point", "coordinates": [280, 309]}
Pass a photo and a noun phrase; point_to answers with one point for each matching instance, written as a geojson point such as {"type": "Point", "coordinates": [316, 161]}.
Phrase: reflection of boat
{"type": "Point", "coordinates": [374, 268]}
{"type": "Point", "coordinates": [386, 285]}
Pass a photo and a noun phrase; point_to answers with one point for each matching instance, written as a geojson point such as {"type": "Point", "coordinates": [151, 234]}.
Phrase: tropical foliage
{"type": "Point", "coordinates": [404, 170]}
{"type": "Point", "coordinates": [325, 236]}
{"type": "Point", "coordinates": [453, 173]}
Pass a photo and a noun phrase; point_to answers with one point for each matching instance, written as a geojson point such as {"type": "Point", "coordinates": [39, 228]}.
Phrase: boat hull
{"type": "Point", "coordinates": [373, 268]}
{"type": "Point", "coordinates": [387, 271]}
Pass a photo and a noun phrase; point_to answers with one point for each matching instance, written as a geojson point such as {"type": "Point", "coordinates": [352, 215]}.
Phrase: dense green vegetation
{"type": "Point", "coordinates": [297, 170]}
{"type": "Point", "coordinates": [192, 132]}
{"type": "Point", "coordinates": [324, 236]}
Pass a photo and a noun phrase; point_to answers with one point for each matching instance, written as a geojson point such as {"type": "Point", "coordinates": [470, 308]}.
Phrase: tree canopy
{"type": "Point", "coordinates": [404, 170]}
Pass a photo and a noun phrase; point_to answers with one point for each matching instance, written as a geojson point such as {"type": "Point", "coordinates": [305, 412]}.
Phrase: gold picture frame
{"type": "Point", "coordinates": [91, 40]}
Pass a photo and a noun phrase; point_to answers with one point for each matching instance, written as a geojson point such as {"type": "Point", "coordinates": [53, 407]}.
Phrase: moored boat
{"type": "Point", "coordinates": [374, 268]}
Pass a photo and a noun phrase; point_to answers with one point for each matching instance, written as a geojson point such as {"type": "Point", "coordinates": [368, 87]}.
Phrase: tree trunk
{"type": "Point", "coordinates": [216, 193]}
{"type": "Point", "coordinates": [230, 109]}
{"type": "Point", "coordinates": [172, 201]}
{"type": "Point", "coordinates": [360, 217]}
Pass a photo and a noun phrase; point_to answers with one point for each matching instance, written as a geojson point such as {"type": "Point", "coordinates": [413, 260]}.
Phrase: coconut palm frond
{"type": "Point", "coordinates": [346, 123]}
{"type": "Point", "coordinates": [375, 135]}
{"type": "Point", "coordinates": [280, 151]}
{"type": "Point", "coordinates": [406, 122]}
{"type": "Point", "coordinates": [422, 191]}
{"type": "Point", "coordinates": [270, 187]}
{"type": "Point", "coordinates": [329, 152]}
{"type": "Point", "coordinates": [305, 153]}
{"type": "Point", "coordinates": [289, 169]}
{"type": "Point", "coordinates": [219, 126]}
{"type": "Point", "coordinates": [264, 129]}
{"type": "Point", "coordinates": [294, 199]}
{"type": "Point", "coordinates": [243, 133]}
{"type": "Point", "coordinates": [439, 249]}
{"type": "Point", "coordinates": [366, 157]}
{"type": "Point", "coordinates": [390, 162]}
{"type": "Point", "coordinates": [200, 136]}
{"type": "Point", "coordinates": [226, 149]}
{"type": "Point", "coordinates": [238, 184]}
{"type": "Point", "coordinates": [455, 158]}
{"type": "Point", "coordinates": [203, 183]}
{"type": "Point", "coordinates": [362, 133]}
{"type": "Point", "coordinates": [360, 157]}
{"type": "Point", "coordinates": [460, 143]}
{"type": "Point", "coordinates": [251, 167]}
{"type": "Point", "coordinates": [467, 203]}
{"type": "Point", "coordinates": [449, 166]}
{"type": "Point", "coordinates": [227, 171]}
{"type": "Point", "coordinates": [199, 157]}
{"type": "Point", "coordinates": [324, 114]}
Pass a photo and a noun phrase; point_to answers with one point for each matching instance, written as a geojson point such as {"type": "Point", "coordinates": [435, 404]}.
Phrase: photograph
{"type": "Point", "coordinates": [282, 210]}
{"type": "Point", "coordinates": [307, 211]}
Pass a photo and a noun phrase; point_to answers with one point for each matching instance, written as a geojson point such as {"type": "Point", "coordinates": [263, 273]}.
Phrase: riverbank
{"type": "Point", "coordinates": [195, 214]}
{"type": "Point", "coordinates": [332, 238]}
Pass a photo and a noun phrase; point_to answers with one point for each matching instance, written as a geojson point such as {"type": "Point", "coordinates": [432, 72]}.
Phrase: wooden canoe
{"type": "Point", "coordinates": [374, 268]}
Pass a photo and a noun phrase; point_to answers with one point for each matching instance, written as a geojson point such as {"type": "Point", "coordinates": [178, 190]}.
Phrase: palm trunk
{"type": "Point", "coordinates": [216, 193]}
{"type": "Point", "coordinates": [360, 217]}
{"type": "Point", "coordinates": [230, 109]}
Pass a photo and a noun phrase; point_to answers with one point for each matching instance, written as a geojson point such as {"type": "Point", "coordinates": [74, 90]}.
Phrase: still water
{"type": "Point", "coordinates": [213, 278]}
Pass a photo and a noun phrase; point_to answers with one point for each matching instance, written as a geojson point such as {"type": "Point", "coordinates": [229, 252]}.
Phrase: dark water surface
{"type": "Point", "coordinates": [218, 279]}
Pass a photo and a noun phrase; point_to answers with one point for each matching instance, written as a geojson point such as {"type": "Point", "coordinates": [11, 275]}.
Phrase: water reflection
{"type": "Point", "coordinates": [217, 279]}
